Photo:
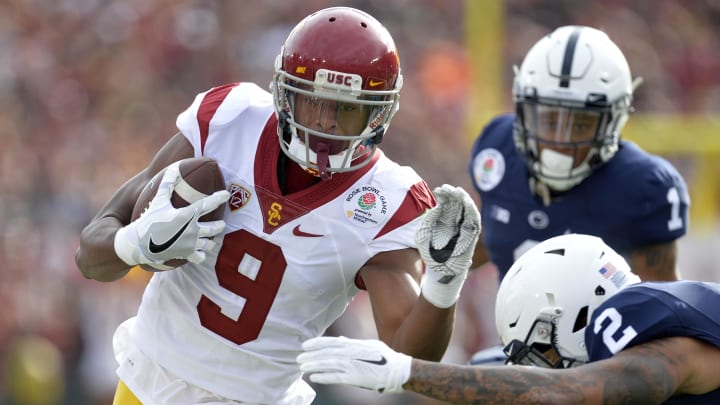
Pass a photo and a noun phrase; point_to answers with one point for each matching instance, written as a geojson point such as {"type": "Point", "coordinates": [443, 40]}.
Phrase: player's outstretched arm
{"type": "Point", "coordinates": [649, 373]}
{"type": "Point", "coordinates": [445, 238]}
{"type": "Point", "coordinates": [104, 253]}
{"type": "Point", "coordinates": [645, 374]}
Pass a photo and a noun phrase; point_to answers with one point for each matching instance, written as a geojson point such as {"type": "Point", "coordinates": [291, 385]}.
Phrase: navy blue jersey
{"type": "Point", "coordinates": [633, 200]}
{"type": "Point", "coordinates": [653, 310]}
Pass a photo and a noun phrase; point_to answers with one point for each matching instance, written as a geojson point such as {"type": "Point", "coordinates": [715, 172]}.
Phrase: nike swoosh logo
{"type": "Point", "coordinates": [374, 83]}
{"type": "Point", "coordinates": [380, 362]}
{"type": "Point", "coordinates": [443, 254]}
{"type": "Point", "coordinates": [511, 348]}
{"type": "Point", "coordinates": [298, 232]}
{"type": "Point", "coordinates": [155, 248]}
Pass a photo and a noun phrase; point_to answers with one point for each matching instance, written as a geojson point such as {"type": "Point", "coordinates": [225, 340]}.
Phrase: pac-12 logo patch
{"type": "Point", "coordinates": [488, 168]}
{"type": "Point", "coordinates": [366, 206]}
{"type": "Point", "coordinates": [239, 197]}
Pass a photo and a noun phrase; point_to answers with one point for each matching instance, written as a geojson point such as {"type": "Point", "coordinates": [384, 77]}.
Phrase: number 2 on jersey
{"type": "Point", "coordinates": [608, 334]}
{"type": "Point", "coordinates": [259, 291]}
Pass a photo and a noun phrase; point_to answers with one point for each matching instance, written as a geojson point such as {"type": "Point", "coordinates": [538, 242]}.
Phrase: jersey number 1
{"type": "Point", "coordinates": [673, 198]}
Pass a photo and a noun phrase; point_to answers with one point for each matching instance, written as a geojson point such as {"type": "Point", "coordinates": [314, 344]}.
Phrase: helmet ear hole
{"type": "Point", "coordinates": [581, 320]}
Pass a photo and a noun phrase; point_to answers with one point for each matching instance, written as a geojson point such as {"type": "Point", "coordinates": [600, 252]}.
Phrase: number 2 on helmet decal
{"type": "Point", "coordinates": [259, 291]}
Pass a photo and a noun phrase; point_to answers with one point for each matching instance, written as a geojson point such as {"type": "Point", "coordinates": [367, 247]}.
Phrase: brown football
{"type": "Point", "coordinates": [199, 177]}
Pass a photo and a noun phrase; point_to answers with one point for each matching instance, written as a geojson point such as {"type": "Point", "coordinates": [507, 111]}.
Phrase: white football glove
{"type": "Point", "coordinates": [367, 364]}
{"type": "Point", "coordinates": [164, 232]}
{"type": "Point", "coordinates": [446, 240]}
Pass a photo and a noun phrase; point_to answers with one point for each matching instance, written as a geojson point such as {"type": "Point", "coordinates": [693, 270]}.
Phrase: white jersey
{"type": "Point", "coordinates": [286, 266]}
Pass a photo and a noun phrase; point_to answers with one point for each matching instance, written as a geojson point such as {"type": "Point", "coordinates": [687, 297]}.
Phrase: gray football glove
{"type": "Point", "coordinates": [446, 241]}
{"type": "Point", "coordinates": [164, 232]}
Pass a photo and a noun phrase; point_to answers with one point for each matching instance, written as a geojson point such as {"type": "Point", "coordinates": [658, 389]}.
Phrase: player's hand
{"type": "Point", "coordinates": [446, 240]}
{"type": "Point", "coordinates": [367, 364]}
{"type": "Point", "coordinates": [164, 232]}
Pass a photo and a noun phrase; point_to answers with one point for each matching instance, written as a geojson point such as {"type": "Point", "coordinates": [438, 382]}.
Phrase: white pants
{"type": "Point", "coordinates": [154, 385]}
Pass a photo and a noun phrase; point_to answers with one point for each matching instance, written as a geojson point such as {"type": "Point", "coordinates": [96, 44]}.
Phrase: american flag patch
{"type": "Point", "coordinates": [607, 270]}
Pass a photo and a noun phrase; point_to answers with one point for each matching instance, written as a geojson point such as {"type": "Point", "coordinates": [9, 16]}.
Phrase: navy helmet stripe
{"type": "Point", "coordinates": [568, 58]}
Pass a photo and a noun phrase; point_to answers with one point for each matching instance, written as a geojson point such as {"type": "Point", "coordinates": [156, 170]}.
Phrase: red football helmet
{"type": "Point", "coordinates": [336, 88]}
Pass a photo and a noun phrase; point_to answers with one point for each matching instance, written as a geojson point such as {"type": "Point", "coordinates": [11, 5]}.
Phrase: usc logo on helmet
{"type": "Point", "coordinates": [274, 214]}
{"type": "Point", "coordinates": [339, 78]}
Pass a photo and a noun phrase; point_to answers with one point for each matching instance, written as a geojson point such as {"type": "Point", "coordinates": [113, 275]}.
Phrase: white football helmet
{"type": "Point", "coordinates": [573, 95]}
{"type": "Point", "coordinates": [546, 299]}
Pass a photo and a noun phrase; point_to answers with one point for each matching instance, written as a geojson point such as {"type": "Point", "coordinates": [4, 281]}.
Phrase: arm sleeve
{"type": "Point", "coordinates": [661, 200]}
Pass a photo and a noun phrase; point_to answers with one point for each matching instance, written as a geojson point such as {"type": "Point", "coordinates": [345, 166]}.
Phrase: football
{"type": "Point", "coordinates": [199, 177]}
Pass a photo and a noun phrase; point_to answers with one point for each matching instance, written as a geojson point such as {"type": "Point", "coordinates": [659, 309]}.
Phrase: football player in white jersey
{"type": "Point", "coordinates": [314, 213]}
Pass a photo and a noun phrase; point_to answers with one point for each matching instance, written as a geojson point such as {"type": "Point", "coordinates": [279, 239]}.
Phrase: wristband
{"type": "Point", "coordinates": [441, 295]}
{"type": "Point", "coordinates": [125, 249]}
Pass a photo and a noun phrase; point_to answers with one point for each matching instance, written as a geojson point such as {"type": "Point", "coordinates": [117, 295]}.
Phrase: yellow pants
{"type": "Point", "coordinates": [123, 396]}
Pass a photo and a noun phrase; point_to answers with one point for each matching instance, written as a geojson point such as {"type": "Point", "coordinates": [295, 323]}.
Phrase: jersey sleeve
{"type": "Point", "coordinates": [656, 199]}
{"type": "Point", "coordinates": [216, 108]}
{"type": "Point", "coordinates": [399, 231]}
{"type": "Point", "coordinates": [666, 205]}
{"type": "Point", "coordinates": [647, 311]}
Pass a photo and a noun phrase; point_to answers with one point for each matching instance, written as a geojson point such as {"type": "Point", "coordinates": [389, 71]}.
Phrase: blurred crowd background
{"type": "Point", "coordinates": [89, 89]}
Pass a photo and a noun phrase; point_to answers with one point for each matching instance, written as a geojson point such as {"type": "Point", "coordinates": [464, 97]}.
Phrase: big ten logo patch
{"type": "Point", "coordinates": [239, 197]}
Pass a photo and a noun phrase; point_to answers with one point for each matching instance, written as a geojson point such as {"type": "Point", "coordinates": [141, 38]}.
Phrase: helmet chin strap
{"type": "Point", "coordinates": [541, 189]}
{"type": "Point", "coordinates": [323, 160]}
